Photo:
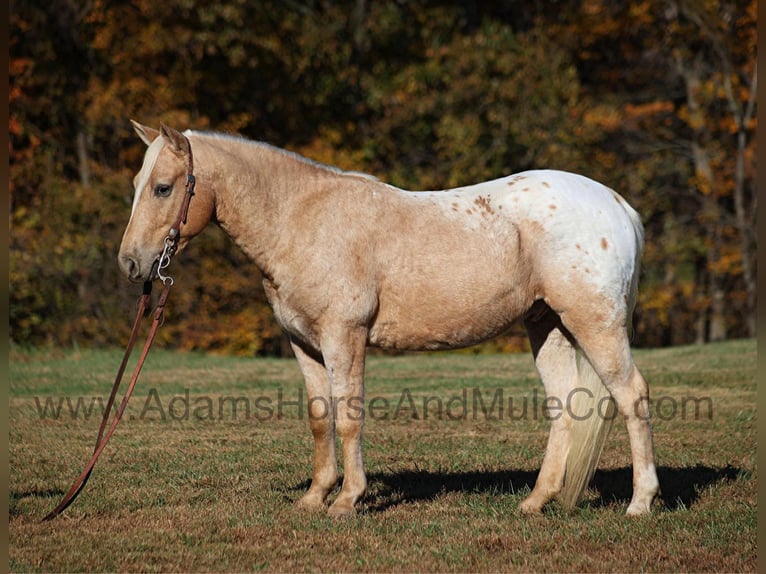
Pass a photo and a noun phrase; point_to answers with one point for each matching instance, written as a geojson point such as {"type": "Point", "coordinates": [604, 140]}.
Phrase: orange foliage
{"type": "Point", "coordinates": [638, 95]}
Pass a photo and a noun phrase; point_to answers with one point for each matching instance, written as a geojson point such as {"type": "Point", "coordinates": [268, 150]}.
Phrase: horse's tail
{"type": "Point", "coordinates": [638, 231]}
{"type": "Point", "coordinates": [592, 410]}
{"type": "Point", "coordinates": [591, 404]}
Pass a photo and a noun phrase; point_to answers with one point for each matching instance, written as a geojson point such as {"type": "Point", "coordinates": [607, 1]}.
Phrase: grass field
{"type": "Point", "coordinates": [203, 471]}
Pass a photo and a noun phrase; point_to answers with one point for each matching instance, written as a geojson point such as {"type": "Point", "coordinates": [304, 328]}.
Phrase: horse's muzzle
{"type": "Point", "coordinates": [131, 268]}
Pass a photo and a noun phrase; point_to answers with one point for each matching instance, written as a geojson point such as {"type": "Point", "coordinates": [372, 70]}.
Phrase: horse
{"type": "Point", "coordinates": [350, 262]}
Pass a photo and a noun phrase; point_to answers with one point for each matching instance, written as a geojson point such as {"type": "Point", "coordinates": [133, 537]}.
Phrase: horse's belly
{"type": "Point", "coordinates": [438, 323]}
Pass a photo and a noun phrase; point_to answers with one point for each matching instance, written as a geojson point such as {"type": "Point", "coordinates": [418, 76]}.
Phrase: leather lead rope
{"type": "Point", "coordinates": [104, 434]}
{"type": "Point", "coordinates": [102, 438]}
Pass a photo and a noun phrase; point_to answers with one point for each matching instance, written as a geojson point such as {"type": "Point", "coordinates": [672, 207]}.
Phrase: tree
{"type": "Point", "coordinates": [719, 72]}
{"type": "Point", "coordinates": [654, 99]}
{"type": "Point", "coordinates": [684, 75]}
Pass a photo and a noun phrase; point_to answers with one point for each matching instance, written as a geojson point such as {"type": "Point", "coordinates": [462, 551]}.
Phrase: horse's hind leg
{"type": "Point", "coordinates": [556, 362]}
{"type": "Point", "coordinates": [605, 344]}
{"type": "Point", "coordinates": [322, 423]}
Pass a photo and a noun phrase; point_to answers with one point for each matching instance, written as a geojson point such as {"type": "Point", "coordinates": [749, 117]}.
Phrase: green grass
{"type": "Point", "coordinates": [203, 489]}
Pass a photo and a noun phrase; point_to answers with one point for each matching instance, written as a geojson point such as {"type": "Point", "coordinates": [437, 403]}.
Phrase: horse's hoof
{"type": "Point", "coordinates": [310, 503]}
{"type": "Point", "coordinates": [638, 509]}
{"type": "Point", "coordinates": [528, 506]}
{"type": "Point", "coordinates": [341, 510]}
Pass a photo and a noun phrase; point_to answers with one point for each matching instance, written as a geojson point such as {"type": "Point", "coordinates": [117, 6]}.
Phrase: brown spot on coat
{"type": "Point", "coordinates": [546, 184]}
{"type": "Point", "coordinates": [552, 206]}
{"type": "Point", "coordinates": [604, 243]}
{"type": "Point", "coordinates": [484, 204]}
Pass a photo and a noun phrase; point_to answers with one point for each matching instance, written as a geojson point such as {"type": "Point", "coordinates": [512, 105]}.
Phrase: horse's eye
{"type": "Point", "coordinates": [162, 190]}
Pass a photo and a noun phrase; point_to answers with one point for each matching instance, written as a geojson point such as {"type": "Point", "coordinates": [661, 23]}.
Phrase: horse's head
{"type": "Point", "coordinates": [159, 193]}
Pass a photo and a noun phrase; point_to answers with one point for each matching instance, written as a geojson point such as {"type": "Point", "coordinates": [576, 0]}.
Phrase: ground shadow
{"type": "Point", "coordinates": [681, 487]}
{"type": "Point", "coordinates": [15, 497]}
{"type": "Point", "coordinates": [421, 485]}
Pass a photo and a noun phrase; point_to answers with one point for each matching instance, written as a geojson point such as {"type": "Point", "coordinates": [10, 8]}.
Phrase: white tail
{"type": "Point", "coordinates": [593, 411]}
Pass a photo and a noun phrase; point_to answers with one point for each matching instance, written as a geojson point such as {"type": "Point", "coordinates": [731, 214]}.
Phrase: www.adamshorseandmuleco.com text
{"type": "Point", "coordinates": [467, 404]}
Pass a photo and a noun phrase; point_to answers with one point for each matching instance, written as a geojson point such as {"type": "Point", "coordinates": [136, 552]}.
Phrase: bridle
{"type": "Point", "coordinates": [174, 233]}
{"type": "Point", "coordinates": [163, 261]}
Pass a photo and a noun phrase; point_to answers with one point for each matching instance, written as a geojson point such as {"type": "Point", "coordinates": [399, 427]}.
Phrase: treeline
{"type": "Point", "coordinates": [654, 98]}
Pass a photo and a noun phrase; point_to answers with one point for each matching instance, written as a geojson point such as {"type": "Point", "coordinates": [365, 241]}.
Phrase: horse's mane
{"type": "Point", "coordinates": [272, 148]}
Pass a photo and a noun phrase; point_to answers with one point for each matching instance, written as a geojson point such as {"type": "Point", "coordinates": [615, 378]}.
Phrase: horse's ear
{"type": "Point", "coordinates": [174, 138]}
{"type": "Point", "coordinates": [147, 134]}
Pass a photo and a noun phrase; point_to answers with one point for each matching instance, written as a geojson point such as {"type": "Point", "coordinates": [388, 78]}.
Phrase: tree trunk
{"type": "Point", "coordinates": [705, 185]}
{"type": "Point", "coordinates": [701, 308]}
{"type": "Point", "coordinates": [717, 330]}
{"type": "Point", "coordinates": [83, 159]}
{"type": "Point", "coordinates": [745, 216]}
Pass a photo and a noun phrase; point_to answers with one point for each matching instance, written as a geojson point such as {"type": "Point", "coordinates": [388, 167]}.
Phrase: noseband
{"type": "Point", "coordinates": [170, 247]}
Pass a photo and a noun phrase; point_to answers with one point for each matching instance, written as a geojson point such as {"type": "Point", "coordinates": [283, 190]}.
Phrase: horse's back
{"type": "Point", "coordinates": [561, 217]}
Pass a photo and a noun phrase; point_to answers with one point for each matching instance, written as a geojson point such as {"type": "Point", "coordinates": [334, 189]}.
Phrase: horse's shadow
{"type": "Point", "coordinates": [680, 487]}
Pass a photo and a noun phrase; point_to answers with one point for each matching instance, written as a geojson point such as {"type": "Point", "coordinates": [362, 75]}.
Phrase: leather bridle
{"type": "Point", "coordinates": [170, 247]}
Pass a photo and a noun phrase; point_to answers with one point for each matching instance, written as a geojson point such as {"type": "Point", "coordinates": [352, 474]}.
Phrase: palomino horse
{"type": "Point", "coordinates": [350, 262]}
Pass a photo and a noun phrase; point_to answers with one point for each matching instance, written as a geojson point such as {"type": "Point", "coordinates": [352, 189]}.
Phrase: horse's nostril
{"type": "Point", "coordinates": [130, 267]}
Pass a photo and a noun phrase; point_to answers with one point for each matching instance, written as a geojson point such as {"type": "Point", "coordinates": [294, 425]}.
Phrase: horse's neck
{"type": "Point", "coordinates": [254, 186]}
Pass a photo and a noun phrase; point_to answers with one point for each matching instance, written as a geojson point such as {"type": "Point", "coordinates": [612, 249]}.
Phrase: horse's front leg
{"type": "Point", "coordinates": [343, 350]}
{"type": "Point", "coordinates": [322, 425]}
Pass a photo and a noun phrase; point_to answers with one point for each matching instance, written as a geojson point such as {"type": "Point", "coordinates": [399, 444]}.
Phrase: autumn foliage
{"type": "Point", "coordinates": [655, 99]}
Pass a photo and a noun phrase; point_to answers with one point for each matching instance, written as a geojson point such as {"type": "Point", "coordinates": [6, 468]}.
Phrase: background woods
{"type": "Point", "coordinates": [655, 99]}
